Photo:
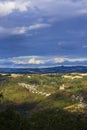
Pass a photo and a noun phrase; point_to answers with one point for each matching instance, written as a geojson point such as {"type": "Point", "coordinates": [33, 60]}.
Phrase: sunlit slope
{"type": "Point", "coordinates": [43, 91]}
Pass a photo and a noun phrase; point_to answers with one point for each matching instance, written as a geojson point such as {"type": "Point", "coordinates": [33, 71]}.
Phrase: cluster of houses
{"type": "Point", "coordinates": [33, 89]}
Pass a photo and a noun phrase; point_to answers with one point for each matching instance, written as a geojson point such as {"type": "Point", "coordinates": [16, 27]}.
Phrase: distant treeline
{"type": "Point", "coordinates": [59, 69]}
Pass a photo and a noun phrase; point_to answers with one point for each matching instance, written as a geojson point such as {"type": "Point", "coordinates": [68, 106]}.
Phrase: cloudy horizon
{"type": "Point", "coordinates": [43, 33]}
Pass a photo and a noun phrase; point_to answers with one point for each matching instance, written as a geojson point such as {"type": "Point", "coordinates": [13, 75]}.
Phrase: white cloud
{"type": "Point", "coordinates": [40, 61]}
{"type": "Point", "coordinates": [64, 59]}
{"type": "Point", "coordinates": [76, 59]}
{"type": "Point", "coordinates": [22, 30]}
{"type": "Point", "coordinates": [19, 30]}
{"type": "Point", "coordinates": [16, 61]}
{"type": "Point", "coordinates": [59, 9]}
{"type": "Point", "coordinates": [7, 7]}
{"type": "Point", "coordinates": [35, 61]}
{"type": "Point", "coordinates": [55, 9]}
{"type": "Point", "coordinates": [59, 60]}
{"type": "Point", "coordinates": [27, 60]}
{"type": "Point", "coordinates": [22, 5]}
{"type": "Point", "coordinates": [38, 26]}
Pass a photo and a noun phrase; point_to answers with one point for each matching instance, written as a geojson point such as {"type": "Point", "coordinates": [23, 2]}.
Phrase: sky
{"type": "Point", "coordinates": [43, 33]}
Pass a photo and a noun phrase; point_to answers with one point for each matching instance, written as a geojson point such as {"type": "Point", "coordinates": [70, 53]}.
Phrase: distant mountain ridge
{"type": "Point", "coordinates": [59, 69]}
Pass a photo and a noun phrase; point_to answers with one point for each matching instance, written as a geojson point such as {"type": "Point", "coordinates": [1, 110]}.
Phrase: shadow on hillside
{"type": "Point", "coordinates": [50, 119]}
{"type": "Point", "coordinates": [58, 119]}
{"type": "Point", "coordinates": [24, 117]}
{"type": "Point", "coordinates": [25, 109]}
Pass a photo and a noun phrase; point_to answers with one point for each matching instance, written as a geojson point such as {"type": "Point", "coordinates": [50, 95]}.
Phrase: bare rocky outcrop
{"type": "Point", "coordinates": [33, 89]}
